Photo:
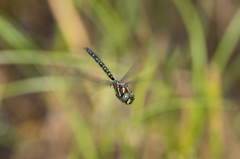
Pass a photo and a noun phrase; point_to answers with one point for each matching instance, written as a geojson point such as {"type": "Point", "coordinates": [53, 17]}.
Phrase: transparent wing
{"type": "Point", "coordinates": [91, 78]}
{"type": "Point", "coordinates": [130, 71]}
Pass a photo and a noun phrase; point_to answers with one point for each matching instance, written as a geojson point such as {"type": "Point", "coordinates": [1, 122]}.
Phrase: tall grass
{"type": "Point", "coordinates": [181, 107]}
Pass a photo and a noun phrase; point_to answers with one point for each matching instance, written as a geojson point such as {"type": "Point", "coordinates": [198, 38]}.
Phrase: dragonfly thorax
{"type": "Point", "coordinates": [123, 92]}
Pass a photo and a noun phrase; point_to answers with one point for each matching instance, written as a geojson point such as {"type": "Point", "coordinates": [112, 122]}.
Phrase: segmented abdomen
{"type": "Point", "coordinates": [99, 61]}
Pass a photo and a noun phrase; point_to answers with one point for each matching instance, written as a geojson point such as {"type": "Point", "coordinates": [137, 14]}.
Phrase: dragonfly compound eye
{"type": "Point", "coordinates": [130, 98]}
{"type": "Point", "coordinates": [125, 97]}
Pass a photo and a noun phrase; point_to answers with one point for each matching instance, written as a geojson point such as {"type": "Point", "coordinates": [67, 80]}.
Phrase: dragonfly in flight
{"type": "Point", "coordinates": [123, 93]}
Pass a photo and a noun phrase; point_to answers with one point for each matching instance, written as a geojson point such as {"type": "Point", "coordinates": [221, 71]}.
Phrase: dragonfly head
{"type": "Point", "coordinates": [128, 98]}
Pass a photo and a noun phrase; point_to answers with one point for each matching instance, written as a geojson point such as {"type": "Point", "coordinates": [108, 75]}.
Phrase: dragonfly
{"type": "Point", "coordinates": [123, 93]}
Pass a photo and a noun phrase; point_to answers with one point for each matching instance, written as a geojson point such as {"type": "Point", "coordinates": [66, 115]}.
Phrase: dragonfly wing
{"type": "Point", "coordinates": [91, 78]}
{"type": "Point", "coordinates": [129, 72]}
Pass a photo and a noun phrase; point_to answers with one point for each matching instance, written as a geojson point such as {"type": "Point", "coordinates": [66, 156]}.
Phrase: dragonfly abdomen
{"type": "Point", "coordinates": [99, 61]}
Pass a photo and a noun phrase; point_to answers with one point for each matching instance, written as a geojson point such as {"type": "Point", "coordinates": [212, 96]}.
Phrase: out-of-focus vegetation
{"type": "Point", "coordinates": [187, 73]}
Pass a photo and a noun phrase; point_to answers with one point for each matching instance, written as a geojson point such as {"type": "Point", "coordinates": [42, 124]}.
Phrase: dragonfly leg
{"type": "Point", "coordinates": [119, 97]}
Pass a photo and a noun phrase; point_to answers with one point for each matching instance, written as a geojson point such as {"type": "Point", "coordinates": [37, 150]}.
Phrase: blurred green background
{"type": "Point", "coordinates": [187, 71]}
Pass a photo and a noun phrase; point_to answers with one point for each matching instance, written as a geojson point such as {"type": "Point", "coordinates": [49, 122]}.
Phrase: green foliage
{"type": "Point", "coordinates": [180, 105]}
